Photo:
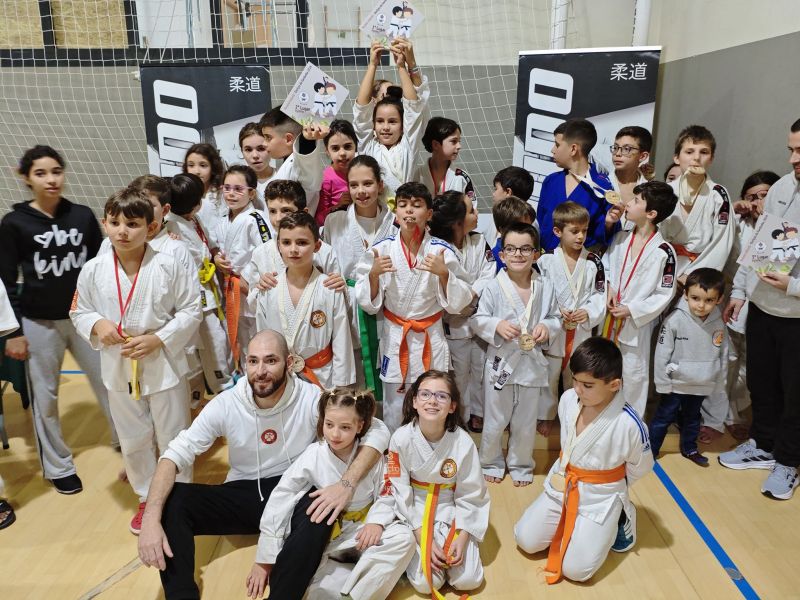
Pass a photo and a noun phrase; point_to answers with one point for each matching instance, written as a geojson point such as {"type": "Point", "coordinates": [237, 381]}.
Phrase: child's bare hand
{"type": "Point", "coordinates": [540, 333]}
{"type": "Point", "coordinates": [457, 549]}
{"type": "Point", "coordinates": [107, 333]}
{"type": "Point", "coordinates": [507, 331]}
{"type": "Point", "coordinates": [613, 216]}
{"type": "Point", "coordinates": [742, 207]}
{"type": "Point", "coordinates": [381, 264]}
{"type": "Point", "coordinates": [611, 298]}
{"type": "Point", "coordinates": [375, 51]}
{"type": "Point", "coordinates": [620, 311]}
{"type": "Point", "coordinates": [434, 263]}
{"type": "Point", "coordinates": [141, 345]}
{"type": "Point", "coordinates": [368, 535]}
{"type": "Point", "coordinates": [223, 264]}
{"type": "Point", "coordinates": [315, 131]}
{"type": "Point", "coordinates": [579, 316]}
{"type": "Point", "coordinates": [267, 281]}
{"type": "Point", "coordinates": [335, 282]}
{"type": "Point", "coordinates": [257, 580]}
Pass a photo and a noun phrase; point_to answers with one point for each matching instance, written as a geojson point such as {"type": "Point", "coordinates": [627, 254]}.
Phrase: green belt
{"type": "Point", "coordinates": [368, 332]}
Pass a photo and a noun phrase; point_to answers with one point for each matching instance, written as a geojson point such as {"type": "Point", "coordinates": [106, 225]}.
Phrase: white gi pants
{"type": "Point", "coordinates": [215, 353]}
{"type": "Point", "coordinates": [636, 369]}
{"type": "Point", "coordinates": [393, 404]}
{"type": "Point", "coordinates": [461, 359]}
{"type": "Point", "coordinates": [590, 542]}
{"type": "Point", "coordinates": [375, 574]}
{"type": "Point", "coordinates": [466, 576]}
{"type": "Point", "coordinates": [47, 343]}
{"type": "Point", "coordinates": [475, 388]}
{"type": "Point", "coordinates": [145, 427]}
{"type": "Point", "coordinates": [516, 405]}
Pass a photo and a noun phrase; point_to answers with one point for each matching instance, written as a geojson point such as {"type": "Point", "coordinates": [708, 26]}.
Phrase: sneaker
{"type": "Point", "coordinates": [71, 484]}
{"type": "Point", "coordinates": [136, 521]}
{"type": "Point", "coordinates": [696, 458]}
{"type": "Point", "coordinates": [626, 531]}
{"type": "Point", "coordinates": [781, 482]}
{"type": "Point", "coordinates": [747, 456]}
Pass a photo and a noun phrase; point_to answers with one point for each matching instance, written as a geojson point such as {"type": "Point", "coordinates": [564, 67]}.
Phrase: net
{"type": "Point", "coordinates": [69, 71]}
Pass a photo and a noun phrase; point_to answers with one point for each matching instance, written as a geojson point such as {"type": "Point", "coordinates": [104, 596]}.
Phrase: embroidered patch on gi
{"type": "Point", "coordinates": [270, 436]}
{"type": "Point", "coordinates": [449, 469]}
{"type": "Point", "coordinates": [318, 319]}
{"type": "Point", "coordinates": [393, 464]}
{"type": "Point", "coordinates": [384, 364]}
{"type": "Point", "coordinates": [717, 339]}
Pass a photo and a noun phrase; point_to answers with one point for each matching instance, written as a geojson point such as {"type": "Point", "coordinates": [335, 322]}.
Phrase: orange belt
{"type": "Point", "coordinates": [682, 251]}
{"type": "Point", "coordinates": [569, 513]}
{"type": "Point", "coordinates": [568, 348]}
{"type": "Point", "coordinates": [426, 537]}
{"type": "Point", "coordinates": [419, 326]}
{"type": "Point", "coordinates": [232, 300]}
{"type": "Point", "coordinates": [320, 359]}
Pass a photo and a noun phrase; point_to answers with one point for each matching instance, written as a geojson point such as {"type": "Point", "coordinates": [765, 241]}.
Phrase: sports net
{"type": "Point", "coordinates": [69, 71]}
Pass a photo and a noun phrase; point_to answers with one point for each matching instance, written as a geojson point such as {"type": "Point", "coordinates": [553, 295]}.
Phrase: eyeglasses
{"type": "Point", "coordinates": [757, 196]}
{"type": "Point", "coordinates": [441, 397]}
{"type": "Point", "coordinates": [236, 189]}
{"type": "Point", "coordinates": [523, 250]}
{"type": "Point", "coordinates": [624, 150]}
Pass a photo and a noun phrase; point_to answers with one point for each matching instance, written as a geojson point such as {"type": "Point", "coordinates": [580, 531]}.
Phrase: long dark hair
{"type": "Point", "coordinates": [410, 413]}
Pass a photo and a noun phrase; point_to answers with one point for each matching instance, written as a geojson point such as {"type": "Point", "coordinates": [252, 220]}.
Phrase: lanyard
{"type": "Point", "coordinates": [576, 275]}
{"type": "Point", "coordinates": [407, 252]}
{"type": "Point", "coordinates": [622, 288]}
{"type": "Point", "coordinates": [202, 235]}
{"type": "Point", "coordinates": [124, 307]}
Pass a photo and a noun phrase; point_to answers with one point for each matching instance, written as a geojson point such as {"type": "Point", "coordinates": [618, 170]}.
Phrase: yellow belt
{"type": "Point", "coordinates": [355, 516]}
{"type": "Point", "coordinates": [206, 273]}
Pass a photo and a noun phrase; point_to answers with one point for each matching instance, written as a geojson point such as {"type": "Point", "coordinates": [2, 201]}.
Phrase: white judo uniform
{"type": "Point", "coordinates": [415, 298]}
{"type": "Point", "coordinates": [515, 380]}
{"type": "Point", "coordinates": [646, 287]}
{"type": "Point", "coordinates": [615, 439]}
{"type": "Point", "coordinates": [705, 236]}
{"type": "Point", "coordinates": [164, 302]}
{"type": "Point", "coordinates": [213, 347]}
{"type": "Point", "coordinates": [266, 258]}
{"type": "Point", "coordinates": [398, 162]}
{"type": "Point", "coordinates": [317, 329]}
{"type": "Point", "coordinates": [583, 288]}
{"type": "Point", "coordinates": [371, 574]}
{"type": "Point", "coordinates": [454, 180]}
{"type": "Point", "coordinates": [306, 169]}
{"type": "Point", "coordinates": [213, 210]}
{"type": "Point", "coordinates": [415, 466]}
{"type": "Point", "coordinates": [478, 265]}
{"type": "Point", "coordinates": [238, 237]}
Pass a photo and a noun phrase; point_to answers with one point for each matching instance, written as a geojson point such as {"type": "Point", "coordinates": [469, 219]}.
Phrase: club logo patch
{"type": "Point", "coordinates": [393, 464]}
{"type": "Point", "coordinates": [318, 319]}
{"type": "Point", "coordinates": [717, 339]}
{"type": "Point", "coordinates": [449, 469]}
{"type": "Point", "coordinates": [270, 436]}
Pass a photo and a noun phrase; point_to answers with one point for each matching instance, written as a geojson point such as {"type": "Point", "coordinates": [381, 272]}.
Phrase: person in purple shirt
{"type": "Point", "coordinates": [578, 181]}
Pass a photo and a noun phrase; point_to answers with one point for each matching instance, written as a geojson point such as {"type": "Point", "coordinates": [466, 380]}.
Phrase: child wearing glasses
{"type": "Point", "coordinates": [580, 287]}
{"type": "Point", "coordinates": [238, 234]}
{"type": "Point", "coordinates": [630, 151]}
{"type": "Point", "coordinates": [517, 315]}
{"type": "Point", "coordinates": [436, 487]}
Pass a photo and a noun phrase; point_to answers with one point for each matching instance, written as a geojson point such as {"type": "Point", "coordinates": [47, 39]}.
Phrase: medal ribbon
{"type": "Point", "coordinates": [302, 309]}
{"type": "Point", "coordinates": [123, 308]}
{"type": "Point", "coordinates": [508, 292]}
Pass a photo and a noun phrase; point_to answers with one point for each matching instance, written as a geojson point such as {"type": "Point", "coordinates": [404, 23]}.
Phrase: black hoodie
{"type": "Point", "coordinates": [51, 252]}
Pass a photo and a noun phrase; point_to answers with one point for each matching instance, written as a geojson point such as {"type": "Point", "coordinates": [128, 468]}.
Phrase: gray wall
{"type": "Point", "coordinates": [748, 96]}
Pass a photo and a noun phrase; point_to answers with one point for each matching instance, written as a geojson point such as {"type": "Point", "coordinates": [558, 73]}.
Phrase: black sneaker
{"type": "Point", "coordinates": [71, 484]}
{"type": "Point", "coordinates": [697, 458]}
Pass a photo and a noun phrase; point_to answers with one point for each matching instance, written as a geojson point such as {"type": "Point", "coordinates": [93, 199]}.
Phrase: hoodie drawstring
{"type": "Point", "coordinates": [258, 456]}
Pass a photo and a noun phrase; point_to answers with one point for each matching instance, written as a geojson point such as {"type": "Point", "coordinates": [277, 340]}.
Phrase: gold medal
{"type": "Point", "coordinates": [558, 482]}
{"type": "Point", "coordinates": [526, 342]}
{"type": "Point", "coordinates": [696, 170]}
{"type": "Point", "coordinates": [298, 363]}
{"type": "Point", "coordinates": [613, 197]}
{"type": "Point", "coordinates": [569, 325]}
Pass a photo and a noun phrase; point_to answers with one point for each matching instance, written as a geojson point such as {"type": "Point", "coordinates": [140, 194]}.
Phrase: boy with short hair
{"type": "Point", "coordinates": [517, 315]}
{"type": "Point", "coordinates": [579, 281]}
{"type": "Point", "coordinates": [690, 362]}
{"type": "Point", "coordinates": [300, 150]}
{"type": "Point", "coordinates": [314, 319]}
{"type": "Point", "coordinates": [411, 277]}
{"type": "Point", "coordinates": [605, 450]}
{"type": "Point", "coordinates": [630, 151]}
{"type": "Point", "coordinates": [579, 181]}
{"type": "Point", "coordinates": [640, 268]}
{"type": "Point", "coordinates": [511, 181]}
{"type": "Point", "coordinates": [140, 308]}
{"type": "Point", "coordinates": [213, 349]}
{"type": "Point", "coordinates": [701, 228]}
{"type": "Point", "coordinates": [505, 213]}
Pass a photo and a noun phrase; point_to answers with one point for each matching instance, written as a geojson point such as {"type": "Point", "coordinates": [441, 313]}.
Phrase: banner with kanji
{"type": "Point", "coordinates": [187, 104]}
{"type": "Point", "coordinates": [611, 87]}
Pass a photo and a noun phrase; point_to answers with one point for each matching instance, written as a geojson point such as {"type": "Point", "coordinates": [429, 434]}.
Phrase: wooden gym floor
{"type": "Point", "coordinates": [70, 547]}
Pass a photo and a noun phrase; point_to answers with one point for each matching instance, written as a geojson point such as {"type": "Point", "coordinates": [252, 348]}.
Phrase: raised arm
{"type": "Point", "coordinates": [365, 91]}
{"type": "Point", "coordinates": [400, 51]}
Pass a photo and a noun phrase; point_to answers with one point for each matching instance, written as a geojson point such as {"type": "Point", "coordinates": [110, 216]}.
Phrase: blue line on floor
{"type": "Point", "coordinates": [72, 373]}
{"type": "Point", "coordinates": [716, 549]}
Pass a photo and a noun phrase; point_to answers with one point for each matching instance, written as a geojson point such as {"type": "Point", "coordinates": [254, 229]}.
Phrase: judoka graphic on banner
{"type": "Point", "coordinates": [187, 104]}
{"type": "Point", "coordinates": [611, 87]}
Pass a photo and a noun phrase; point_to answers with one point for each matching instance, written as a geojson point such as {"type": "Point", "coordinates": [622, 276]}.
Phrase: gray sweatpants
{"type": "Point", "coordinates": [47, 342]}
